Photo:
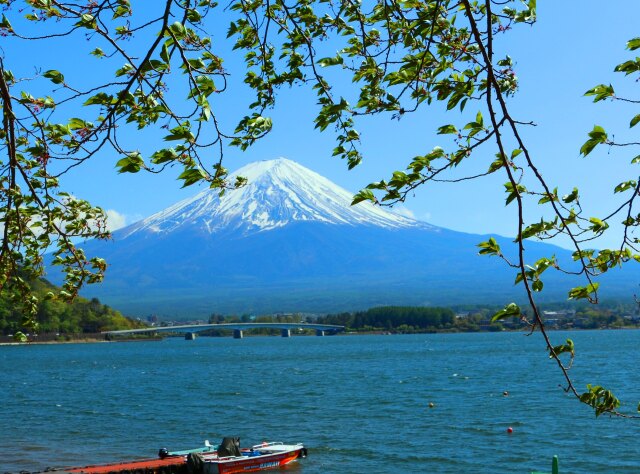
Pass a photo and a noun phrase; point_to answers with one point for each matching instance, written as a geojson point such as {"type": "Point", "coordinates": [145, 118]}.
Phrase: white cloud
{"type": "Point", "coordinates": [404, 211]}
{"type": "Point", "coordinates": [424, 216]}
{"type": "Point", "coordinates": [115, 220]}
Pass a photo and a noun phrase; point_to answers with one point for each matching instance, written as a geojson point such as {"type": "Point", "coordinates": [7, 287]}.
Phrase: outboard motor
{"type": "Point", "coordinates": [163, 453]}
{"type": "Point", "coordinates": [229, 447]}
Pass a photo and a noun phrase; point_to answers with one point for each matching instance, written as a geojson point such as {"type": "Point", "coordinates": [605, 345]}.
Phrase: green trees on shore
{"type": "Point", "coordinates": [408, 318]}
{"type": "Point", "coordinates": [59, 317]}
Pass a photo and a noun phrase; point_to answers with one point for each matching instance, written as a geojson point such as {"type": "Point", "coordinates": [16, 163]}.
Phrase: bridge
{"type": "Point", "coordinates": [190, 330]}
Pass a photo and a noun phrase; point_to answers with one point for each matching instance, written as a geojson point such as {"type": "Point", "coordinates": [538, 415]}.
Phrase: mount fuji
{"type": "Point", "coordinates": [279, 193]}
{"type": "Point", "coordinates": [291, 241]}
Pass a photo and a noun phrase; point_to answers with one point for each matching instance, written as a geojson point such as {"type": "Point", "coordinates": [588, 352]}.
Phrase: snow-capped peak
{"type": "Point", "coordinates": [278, 192]}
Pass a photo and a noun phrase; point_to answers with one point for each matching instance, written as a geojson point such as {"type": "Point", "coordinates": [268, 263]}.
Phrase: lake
{"type": "Point", "coordinates": [359, 403]}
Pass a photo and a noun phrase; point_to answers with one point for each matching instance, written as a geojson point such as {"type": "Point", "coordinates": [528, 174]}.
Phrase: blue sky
{"type": "Point", "coordinates": [571, 48]}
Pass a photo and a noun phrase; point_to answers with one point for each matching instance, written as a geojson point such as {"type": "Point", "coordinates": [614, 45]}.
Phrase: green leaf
{"type": "Point", "coordinates": [597, 136]}
{"type": "Point", "coordinates": [181, 132]}
{"type": "Point", "coordinates": [512, 310]}
{"type": "Point", "coordinates": [633, 44]}
{"type": "Point", "coordinates": [496, 165]}
{"type": "Point", "coordinates": [130, 163]}
{"type": "Point", "coordinates": [583, 292]}
{"type": "Point", "coordinates": [55, 76]}
{"type": "Point", "coordinates": [601, 92]}
{"type": "Point", "coordinates": [598, 225]}
{"type": "Point", "coordinates": [553, 197]}
{"type": "Point", "coordinates": [191, 176]}
{"type": "Point", "coordinates": [364, 195]}
{"type": "Point", "coordinates": [634, 121]}
{"type": "Point", "coordinates": [194, 16]}
{"type": "Point", "coordinates": [77, 124]}
{"type": "Point", "coordinates": [126, 69]}
{"type": "Point", "coordinates": [628, 67]}
{"type": "Point", "coordinates": [519, 190]}
{"type": "Point", "coordinates": [598, 133]}
{"type": "Point", "coordinates": [625, 186]}
{"type": "Point", "coordinates": [101, 98]}
{"type": "Point", "coordinates": [87, 21]}
{"type": "Point", "coordinates": [124, 9]}
{"type": "Point", "coordinates": [567, 198]}
{"type": "Point", "coordinates": [490, 247]}
{"type": "Point", "coordinates": [163, 156]}
{"type": "Point", "coordinates": [601, 399]}
{"type": "Point", "coordinates": [563, 348]}
{"type": "Point", "coordinates": [445, 129]}
{"type": "Point", "coordinates": [325, 62]}
{"type": "Point", "coordinates": [164, 54]}
{"type": "Point", "coordinates": [178, 30]}
{"type": "Point", "coordinates": [4, 24]}
{"type": "Point", "coordinates": [206, 113]}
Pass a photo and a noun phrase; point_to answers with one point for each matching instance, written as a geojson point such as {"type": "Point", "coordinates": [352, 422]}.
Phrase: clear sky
{"type": "Point", "coordinates": [572, 47]}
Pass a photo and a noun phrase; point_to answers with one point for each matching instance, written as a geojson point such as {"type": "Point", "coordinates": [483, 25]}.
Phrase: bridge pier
{"type": "Point", "coordinates": [285, 332]}
{"type": "Point", "coordinates": [237, 333]}
{"type": "Point", "coordinates": [319, 332]}
{"type": "Point", "coordinates": [189, 336]}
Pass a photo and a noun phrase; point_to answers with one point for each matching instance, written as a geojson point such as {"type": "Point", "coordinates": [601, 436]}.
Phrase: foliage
{"type": "Point", "coordinates": [56, 316]}
{"type": "Point", "coordinates": [397, 55]}
{"type": "Point", "coordinates": [601, 399]}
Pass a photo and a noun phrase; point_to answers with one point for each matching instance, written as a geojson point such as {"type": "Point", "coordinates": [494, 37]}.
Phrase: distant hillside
{"type": "Point", "coordinates": [81, 316]}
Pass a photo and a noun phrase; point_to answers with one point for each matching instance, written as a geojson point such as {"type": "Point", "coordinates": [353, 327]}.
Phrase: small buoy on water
{"type": "Point", "coordinates": [509, 430]}
{"type": "Point", "coordinates": [431, 404]}
{"type": "Point", "coordinates": [505, 393]}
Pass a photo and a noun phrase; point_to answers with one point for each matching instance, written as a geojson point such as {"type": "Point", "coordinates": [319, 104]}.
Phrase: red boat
{"type": "Point", "coordinates": [231, 459]}
{"type": "Point", "coordinates": [228, 458]}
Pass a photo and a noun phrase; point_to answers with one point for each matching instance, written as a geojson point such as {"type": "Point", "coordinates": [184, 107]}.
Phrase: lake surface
{"type": "Point", "coordinates": [360, 404]}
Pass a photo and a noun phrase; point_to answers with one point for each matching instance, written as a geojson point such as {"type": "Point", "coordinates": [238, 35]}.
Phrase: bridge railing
{"type": "Point", "coordinates": [195, 328]}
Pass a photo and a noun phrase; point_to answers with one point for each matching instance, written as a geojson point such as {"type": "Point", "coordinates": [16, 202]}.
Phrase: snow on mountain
{"type": "Point", "coordinates": [279, 192]}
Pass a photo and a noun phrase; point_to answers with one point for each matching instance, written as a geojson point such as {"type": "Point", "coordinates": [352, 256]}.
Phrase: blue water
{"type": "Point", "coordinates": [360, 403]}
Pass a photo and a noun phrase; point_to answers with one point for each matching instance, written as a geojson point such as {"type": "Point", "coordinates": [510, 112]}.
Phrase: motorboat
{"type": "Point", "coordinates": [229, 458]}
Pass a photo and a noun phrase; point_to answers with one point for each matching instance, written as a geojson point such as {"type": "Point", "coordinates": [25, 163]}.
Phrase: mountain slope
{"type": "Point", "coordinates": [291, 241]}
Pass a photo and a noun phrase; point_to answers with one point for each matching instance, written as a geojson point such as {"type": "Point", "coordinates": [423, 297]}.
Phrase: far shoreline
{"type": "Point", "coordinates": [346, 333]}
